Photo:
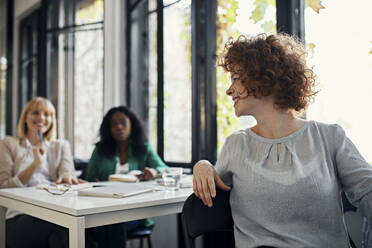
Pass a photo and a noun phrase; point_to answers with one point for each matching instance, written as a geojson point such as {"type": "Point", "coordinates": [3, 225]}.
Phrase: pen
{"type": "Point", "coordinates": [41, 136]}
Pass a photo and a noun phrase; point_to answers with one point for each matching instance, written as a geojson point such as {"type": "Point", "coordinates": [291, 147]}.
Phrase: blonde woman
{"type": "Point", "coordinates": [35, 157]}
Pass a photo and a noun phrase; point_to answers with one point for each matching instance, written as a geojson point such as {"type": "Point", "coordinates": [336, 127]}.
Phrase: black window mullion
{"type": "Point", "coordinates": [9, 83]}
{"type": "Point", "coordinates": [20, 68]}
{"type": "Point", "coordinates": [290, 17]}
{"type": "Point", "coordinates": [128, 54]}
{"type": "Point", "coordinates": [160, 79]}
{"type": "Point", "coordinates": [196, 31]}
{"type": "Point", "coordinates": [204, 112]}
{"type": "Point", "coordinates": [30, 61]}
{"type": "Point", "coordinates": [32, 73]}
{"type": "Point", "coordinates": [210, 76]}
{"type": "Point", "coordinates": [42, 87]}
{"type": "Point", "coordinates": [26, 61]}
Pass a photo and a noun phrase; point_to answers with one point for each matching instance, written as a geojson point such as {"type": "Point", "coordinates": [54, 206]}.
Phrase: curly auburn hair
{"type": "Point", "coordinates": [272, 65]}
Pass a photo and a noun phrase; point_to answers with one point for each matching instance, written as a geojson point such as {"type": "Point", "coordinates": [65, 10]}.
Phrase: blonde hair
{"type": "Point", "coordinates": [39, 103]}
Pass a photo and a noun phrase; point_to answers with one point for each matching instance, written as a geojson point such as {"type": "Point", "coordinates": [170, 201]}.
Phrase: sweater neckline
{"type": "Point", "coordinates": [279, 140]}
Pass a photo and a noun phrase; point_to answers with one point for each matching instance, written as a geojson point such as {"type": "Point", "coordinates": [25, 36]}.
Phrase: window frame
{"type": "Point", "coordinates": [203, 79]}
{"type": "Point", "coordinates": [34, 86]}
{"type": "Point", "coordinates": [69, 30]}
{"type": "Point", "coordinates": [9, 74]}
{"type": "Point", "coordinates": [44, 86]}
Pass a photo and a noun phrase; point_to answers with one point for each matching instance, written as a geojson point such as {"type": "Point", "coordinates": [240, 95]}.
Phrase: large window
{"type": "Point", "coordinates": [88, 80]}
{"type": "Point", "coordinates": [177, 82]}
{"type": "Point", "coordinates": [30, 83]}
{"type": "Point", "coordinates": [75, 69]}
{"type": "Point", "coordinates": [167, 105]}
{"type": "Point", "coordinates": [339, 40]}
{"type": "Point", "coordinates": [173, 82]}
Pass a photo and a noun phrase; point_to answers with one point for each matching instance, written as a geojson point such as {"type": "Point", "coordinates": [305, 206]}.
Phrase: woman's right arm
{"type": "Point", "coordinates": [206, 177]}
{"type": "Point", "coordinates": [205, 181]}
{"type": "Point", "coordinates": [7, 179]}
{"type": "Point", "coordinates": [27, 173]}
{"type": "Point", "coordinates": [353, 172]}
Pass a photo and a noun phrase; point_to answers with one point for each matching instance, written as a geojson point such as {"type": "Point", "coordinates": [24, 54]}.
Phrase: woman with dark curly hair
{"type": "Point", "coordinates": [122, 147]}
{"type": "Point", "coordinates": [286, 173]}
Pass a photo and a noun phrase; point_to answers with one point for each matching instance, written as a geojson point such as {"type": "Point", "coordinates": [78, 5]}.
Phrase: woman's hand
{"type": "Point", "coordinates": [205, 181]}
{"type": "Point", "coordinates": [148, 174]}
{"type": "Point", "coordinates": [70, 179]}
{"type": "Point", "coordinates": [38, 152]}
{"type": "Point", "coordinates": [25, 175]}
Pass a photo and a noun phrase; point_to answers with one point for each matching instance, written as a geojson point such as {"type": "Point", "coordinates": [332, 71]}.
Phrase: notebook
{"type": "Point", "coordinates": [123, 178]}
{"type": "Point", "coordinates": [116, 191]}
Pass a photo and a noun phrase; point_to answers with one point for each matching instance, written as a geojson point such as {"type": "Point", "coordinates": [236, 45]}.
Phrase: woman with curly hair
{"type": "Point", "coordinates": [122, 147]}
{"type": "Point", "coordinates": [286, 173]}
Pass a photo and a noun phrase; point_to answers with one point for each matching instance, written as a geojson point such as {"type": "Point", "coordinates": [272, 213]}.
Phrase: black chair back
{"type": "Point", "coordinates": [348, 207]}
{"type": "Point", "coordinates": [198, 219]}
{"type": "Point", "coordinates": [81, 165]}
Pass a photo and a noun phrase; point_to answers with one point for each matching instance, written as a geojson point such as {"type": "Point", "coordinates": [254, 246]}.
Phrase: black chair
{"type": "Point", "coordinates": [141, 233]}
{"type": "Point", "coordinates": [198, 219]}
{"type": "Point", "coordinates": [348, 207]}
{"type": "Point", "coordinates": [81, 165]}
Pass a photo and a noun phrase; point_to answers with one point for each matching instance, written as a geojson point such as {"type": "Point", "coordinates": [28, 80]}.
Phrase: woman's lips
{"type": "Point", "coordinates": [39, 125]}
{"type": "Point", "coordinates": [120, 134]}
{"type": "Point", "coordinates": [235, 99]}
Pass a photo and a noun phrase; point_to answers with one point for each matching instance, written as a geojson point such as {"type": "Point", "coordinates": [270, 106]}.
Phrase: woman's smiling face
{"type": "Point", "coordinates": [38, 119]}
{"type": "Point", "coordinates": [244, 104]}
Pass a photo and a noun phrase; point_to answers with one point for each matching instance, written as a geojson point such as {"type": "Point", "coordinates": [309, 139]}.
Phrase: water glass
{"type": "Point", "coordinates": [172, 177]}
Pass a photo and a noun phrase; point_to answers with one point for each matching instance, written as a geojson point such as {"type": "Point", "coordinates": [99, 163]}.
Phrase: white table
{"type": "Point", "coordinates": [79, 212]}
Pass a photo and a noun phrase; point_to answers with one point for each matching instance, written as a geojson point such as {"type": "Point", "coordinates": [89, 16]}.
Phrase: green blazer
{"type": "Point", "coordinates": [100, 167]}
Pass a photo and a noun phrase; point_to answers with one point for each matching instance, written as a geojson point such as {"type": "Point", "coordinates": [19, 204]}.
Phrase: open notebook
{"type": "Point", "coordinates": [116, 191]}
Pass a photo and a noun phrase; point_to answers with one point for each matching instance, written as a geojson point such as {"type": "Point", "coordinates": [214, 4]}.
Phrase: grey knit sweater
{"type": "Point", "coordinates": [294, 200]}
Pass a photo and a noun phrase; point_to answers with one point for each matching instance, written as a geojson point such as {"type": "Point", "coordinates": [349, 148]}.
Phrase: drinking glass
{"type": "Point", "coordinates": [172, 177]}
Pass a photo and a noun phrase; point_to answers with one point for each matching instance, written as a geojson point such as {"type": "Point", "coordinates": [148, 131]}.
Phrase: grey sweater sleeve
{"type": "Point", "coordinates": [232, 151]}
{"type": "Point", "coordinates": [354, 173]}
{"type": "Point", "coordinates": [222, 167]}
